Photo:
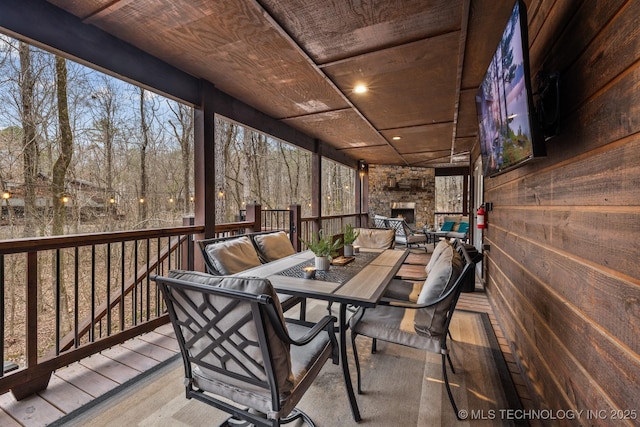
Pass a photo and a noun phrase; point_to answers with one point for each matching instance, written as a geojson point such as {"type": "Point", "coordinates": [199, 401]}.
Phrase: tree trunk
{"type": "Point", "coordinates": [29, 142]}
{"type": "Point", "coordinates": [144, 127]}
{"type": "Point", "coordinates": [61, 165]}
{"type": "Point", "coordinates": [60, 168]}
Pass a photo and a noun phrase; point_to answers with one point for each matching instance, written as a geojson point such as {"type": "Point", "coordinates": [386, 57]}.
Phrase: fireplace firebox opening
{"type": "Point", "coordinates": [405, 210]}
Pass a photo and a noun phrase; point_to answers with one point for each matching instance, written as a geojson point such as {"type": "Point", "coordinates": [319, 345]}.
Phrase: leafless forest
{"type": "Point", "coordinates": [83, 152]}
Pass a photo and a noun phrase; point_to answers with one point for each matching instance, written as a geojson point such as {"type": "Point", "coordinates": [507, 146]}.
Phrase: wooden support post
{"type": "Point", "coordinates": [254, 214]}
{"type": "Point", "coordinates": [296, 226]}
{"type": "Point", "coordinates": [316, 186]}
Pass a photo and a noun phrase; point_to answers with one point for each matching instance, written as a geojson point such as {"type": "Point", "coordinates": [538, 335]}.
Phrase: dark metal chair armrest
{"type": "Point", "coordinates": [326, 323]}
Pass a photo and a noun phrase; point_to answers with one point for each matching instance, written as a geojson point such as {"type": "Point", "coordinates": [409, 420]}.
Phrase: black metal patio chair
{"type": "Point", "coordinates": [431, 314]}
{"type": "Point", "coordinates": [239, 353]}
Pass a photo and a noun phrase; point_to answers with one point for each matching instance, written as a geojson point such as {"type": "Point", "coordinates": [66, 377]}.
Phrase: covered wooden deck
{"type": "Point", "coordinates": [99, 376]}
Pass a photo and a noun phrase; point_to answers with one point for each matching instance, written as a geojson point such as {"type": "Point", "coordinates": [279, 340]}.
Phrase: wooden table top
{"type": "Point", "coordinates": [364, 289]}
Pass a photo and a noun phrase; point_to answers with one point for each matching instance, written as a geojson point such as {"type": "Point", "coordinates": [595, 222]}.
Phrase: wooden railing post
{"type": "Point", "coordinates": [39, 383]}
{"type": "Point", "coordinates": [188, 246]}
{"type": "Point", "coordinates": [254, 214]}
{"type": "Point", "coordinates": [296, 226]}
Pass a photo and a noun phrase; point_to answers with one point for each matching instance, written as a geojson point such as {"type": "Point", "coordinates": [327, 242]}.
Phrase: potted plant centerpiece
{"type": "Point", "coordinates": [350, 236]}
{"type": "Point", "coordinates": [323, 248]}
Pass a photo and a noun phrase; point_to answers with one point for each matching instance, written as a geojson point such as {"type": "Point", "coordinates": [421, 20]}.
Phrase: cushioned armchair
{"type": "Point", "coordinates": [425, 323]}
{"type": "Point", "coordinates": [405, 235]}
{"type": "Point", "coordinates": [239, 353]}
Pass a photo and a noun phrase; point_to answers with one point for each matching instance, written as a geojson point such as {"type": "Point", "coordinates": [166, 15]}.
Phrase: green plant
{"type": "Point", "coordinates": [350, 234]}
{"type": "Point", "coordinates": [322, 246]}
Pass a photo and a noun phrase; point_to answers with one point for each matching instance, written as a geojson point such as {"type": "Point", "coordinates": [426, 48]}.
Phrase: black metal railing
{"type": "Point", "coordinates": [78, 295]}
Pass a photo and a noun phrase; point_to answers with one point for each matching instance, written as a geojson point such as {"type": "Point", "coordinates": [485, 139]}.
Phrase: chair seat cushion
{"type": "Point", "coordinates": [403, 290]}
{"type": "Point", "coordinates": [416, 238]}
{"type": "Point", "coordinates": [375, 238]}
{"type": "Point", "coordinates": [233, 256]}
{"type": "Point", "coordinates": [273, 246]}
{"type": "Point", "coordinates": [302, 358]}
{"type": "Point", "coordinates": [393, 324]}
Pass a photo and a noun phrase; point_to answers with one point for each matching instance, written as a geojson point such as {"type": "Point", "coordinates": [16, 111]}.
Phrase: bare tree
{"type": "Point", "coordinates": [144, 144]}
{"type": "Point", "coordinates": [29, 141]}
{"type": "Point", "coordinates": [183, 131]}
{"type": "Point", "coordinates": [60, 168]}
{"type": "Point", "coordinates": [65, 139]}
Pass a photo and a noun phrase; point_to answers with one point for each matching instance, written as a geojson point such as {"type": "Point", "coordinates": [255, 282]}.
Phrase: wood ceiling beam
{"type": "Point", "coordinates": [106, 10]}
{"type": "Point", "coordinates": [44, 25]}
{"type": "Point", "coordinates": [276, 26]}
{"type": "Point", "coordinates": [466, 10]}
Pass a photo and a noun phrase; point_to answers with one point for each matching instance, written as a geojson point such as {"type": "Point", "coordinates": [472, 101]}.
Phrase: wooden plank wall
{"type": "Point", "coordinates": [563, 268]}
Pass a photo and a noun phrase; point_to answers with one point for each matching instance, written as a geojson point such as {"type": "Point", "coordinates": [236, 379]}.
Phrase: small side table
{"type": "Point", "coordinates": [434, 236]}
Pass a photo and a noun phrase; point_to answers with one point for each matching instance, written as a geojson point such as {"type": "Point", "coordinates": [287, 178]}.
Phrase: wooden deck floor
{"type": "Point", "coordinates": [81, 383]}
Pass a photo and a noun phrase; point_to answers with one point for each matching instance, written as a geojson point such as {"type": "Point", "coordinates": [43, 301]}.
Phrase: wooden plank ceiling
{"type": "Point", "coordinates": [299, 60]}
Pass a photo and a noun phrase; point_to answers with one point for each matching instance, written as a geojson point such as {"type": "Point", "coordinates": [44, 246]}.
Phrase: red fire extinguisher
{"type": "Point", "coordinates": [481, 221]}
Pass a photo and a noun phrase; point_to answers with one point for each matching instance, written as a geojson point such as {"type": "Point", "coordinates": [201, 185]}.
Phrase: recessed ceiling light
{"type": "Point", "coordinates": [360, 88]}
{"type": "Point", "coordinates": [396, 138]}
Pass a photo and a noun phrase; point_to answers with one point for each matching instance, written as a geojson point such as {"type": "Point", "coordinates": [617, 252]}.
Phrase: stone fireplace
{"type": "Point", "coordinates": [405, 210]}
{"type": "Point", "coordinates": [401, 185]}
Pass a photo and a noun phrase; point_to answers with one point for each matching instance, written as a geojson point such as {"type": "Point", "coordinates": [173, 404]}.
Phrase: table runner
{"type": "Point", "coordinates": [337, 273]}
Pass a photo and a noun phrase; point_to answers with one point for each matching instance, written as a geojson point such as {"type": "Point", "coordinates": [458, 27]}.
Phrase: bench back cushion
{"type": "Point", "coordinates": [273, 246]}
{"type": "Point", "coordinates": [233, 256]}
{"type": "Point", "coordinates": [375, 238]}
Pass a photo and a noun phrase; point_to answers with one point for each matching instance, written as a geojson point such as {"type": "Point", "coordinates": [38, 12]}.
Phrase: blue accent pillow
{"type": "Point", "coordinates": [447, 226]}
{"type": "Point", "coordinates": [464, 226]}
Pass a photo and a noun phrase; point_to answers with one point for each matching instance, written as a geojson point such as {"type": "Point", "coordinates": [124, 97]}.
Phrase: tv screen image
{"type": "Point", "coordinates": [504, 105]}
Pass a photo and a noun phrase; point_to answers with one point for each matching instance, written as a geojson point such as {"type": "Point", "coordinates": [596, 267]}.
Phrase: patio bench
{"type": "Point", "coordinates": [225, 256]}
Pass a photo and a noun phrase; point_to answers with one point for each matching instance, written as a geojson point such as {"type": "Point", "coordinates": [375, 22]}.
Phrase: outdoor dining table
{"type": "Point", "coordinates": [359, 283]}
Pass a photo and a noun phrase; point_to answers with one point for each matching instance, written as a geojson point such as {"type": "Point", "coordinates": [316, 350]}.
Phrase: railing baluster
{"type": "Point", "coordinates": [134, 294]}
{"type": "Point", "coordinates": [92, 331]}
{"type": "Point", "coordinates": [122, 279]}
{"type": "Point", "coordinates": [2, 287]}
{"type": "Point", "coordinates": [76, 292]}
{"type": "Point", "coordinates": [32, 309]}
{"type": "Point", "coordinates": [159, 272]}
{"type": "Point", "coordinates": [58, 299]}
{"type": "Point", "coordinates": [148, 280]}
{"type": "Point", "coordinates": [108, 291]}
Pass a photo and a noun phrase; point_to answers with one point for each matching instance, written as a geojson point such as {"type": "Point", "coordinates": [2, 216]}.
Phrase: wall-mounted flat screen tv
{"type": "Point", "coordinates": [507, 130]}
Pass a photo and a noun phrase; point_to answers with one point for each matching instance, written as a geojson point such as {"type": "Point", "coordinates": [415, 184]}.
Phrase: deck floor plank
{"type": "Point", "coordinates": [86, 379]}
{"type": "Point", "coordinates": [64, 396]}
{"type": "Point", "coordinates": [130, 358]}
{"type": "Point", "coordinates": [31, 411]}
{"type": "Point", "coordinates": [169, 343]}
{"type": "Point", "coordinates": [110, 368]}
{"type": "Point", "coordinates": [148, 349]}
